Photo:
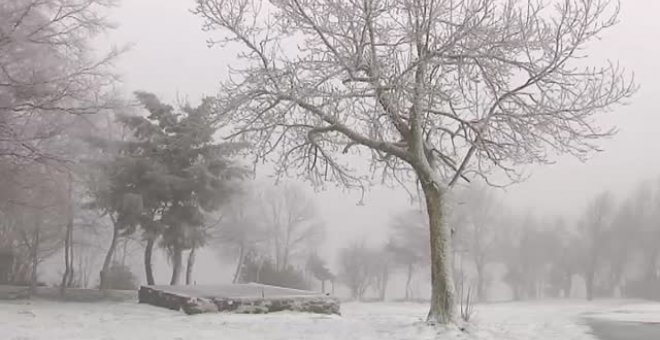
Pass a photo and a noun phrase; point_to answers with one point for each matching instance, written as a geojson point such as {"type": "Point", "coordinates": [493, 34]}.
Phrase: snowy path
{"type": "Point", "coordinates": [618, 330]}
{"type": "Point", "coordinates": [42, 320]}
{"type": "Point", "coordinates": [640, 321]}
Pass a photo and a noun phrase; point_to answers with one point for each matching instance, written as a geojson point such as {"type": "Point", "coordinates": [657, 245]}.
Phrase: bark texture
{"type": "Point", "coordinates": [148, 268]}
{"type": "Point", "coordinates": [443, 292]}
{"type": "Point", "coordinates": [109, 255]}
{"type": "Point", "coordinates": [177, 264]}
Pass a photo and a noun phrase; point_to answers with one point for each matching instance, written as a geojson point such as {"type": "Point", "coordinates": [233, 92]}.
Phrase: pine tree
{"type": "Point", "coordinates": [166, 178]}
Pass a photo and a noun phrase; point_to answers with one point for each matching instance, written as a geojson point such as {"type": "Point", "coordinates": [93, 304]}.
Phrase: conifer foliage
{"type": "Point", "coordinates": [165, 177]}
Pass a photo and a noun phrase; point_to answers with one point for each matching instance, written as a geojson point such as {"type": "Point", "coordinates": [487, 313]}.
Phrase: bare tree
{"type": "Point", "coordinates": [48, 72]}
{"type": "Point", "coordinates": [241, 229]}
{"type": "Point", "coordinates": [35, 218]}
{"type": "Point", "coordinates": [409, 244]}
{"type": "Point", "coordinates": [480, 219]}
{"type": "Point", "coordinates": [355, 269]}
{"type": "Point", "coordinates": [436, 90]}
{"type": "Point", "coordinates": [596, 222]}
{"type": "Point", "coordinates": [380, 266]}
{"type": "Point", "coordinates": [291, 222]}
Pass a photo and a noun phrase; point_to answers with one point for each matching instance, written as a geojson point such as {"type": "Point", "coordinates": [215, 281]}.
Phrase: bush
{"type": "Point", "coordinates": [265, 272]}
{"type": "Point", "coordinates": [120, 277]}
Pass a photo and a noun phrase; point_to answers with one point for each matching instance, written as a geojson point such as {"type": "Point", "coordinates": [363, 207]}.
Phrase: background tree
{"type": "Point", "coordinates": [319, 269]}
{"type": "Point", "coordinates": [34, 221]}
{"type": "Point", "coordinates": [593, 227]}
{"type": "Point", "coordinates": [241, 230]}
{"type": "Point", "coordinates": [380, 268]}
{"type": "Point", "coordinates": [291, 222]}
{"type": "Point", "coordinates": [262, 269]}
{"type": "Point", "coordinates": [563, 263]}
{"type": "Point", "coordinates": [409, 244]}
{"type": "Point", "coordinates": [429, 89]}
{"type": "Point", "coordinates": [355, 269]}
{"type": "Point", "coordinates": [481, 214]}
{"type": "Point", "coordinates": [618, 248]}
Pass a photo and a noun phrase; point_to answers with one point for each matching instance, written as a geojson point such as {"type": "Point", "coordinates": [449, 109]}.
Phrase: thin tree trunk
{"type": "Point", "coordinates": [148, 268]}
{"type": "Point", "coordinates": [124, 251]}
{"type": "Point", "coordinates": [35, 259]}
{"type": "Point", "coordinates": [568, 285]}
{"type": "Point", "coordinates": [177, 259]}
{"type": "Point", "coordinates": [443, 292]}
{"type": "Point", "coordinates": [72, 268]}
{"type": "Point", "coordinates": [109, 255]}
{"type": "Point", "coordinates": [190, 265]}
{"type": "Point", "coordinates": [239, 265]}
{"type": "Point", "coordinates": [67, 278]}
{"type": "Point", "coordinates": [323, 286]}
{"type": "Point", "coordinates": [382, 290]}
{"type": "Point", "coordinates": [408, 280]}
{"type": "Point", "coordinates": [67, 258]}
{"type": "Point", "coordinates": [480, 282]}
{"type": "Point", "coordinates": [589, 281]}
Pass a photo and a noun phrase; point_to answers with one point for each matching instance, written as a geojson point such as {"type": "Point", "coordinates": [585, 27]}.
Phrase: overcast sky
{"type": "Point", "coordinates": [170, 58]}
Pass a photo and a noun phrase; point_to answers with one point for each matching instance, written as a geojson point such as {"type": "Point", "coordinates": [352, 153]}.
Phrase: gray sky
{"type": "Point", "coordinates": [170, 58]}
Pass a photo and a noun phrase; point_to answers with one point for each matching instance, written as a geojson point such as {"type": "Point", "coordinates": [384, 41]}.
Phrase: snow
{"type": "Point", "coordinates": [37, 320]}
{"type": "Point", "coordinates": [640, 311]}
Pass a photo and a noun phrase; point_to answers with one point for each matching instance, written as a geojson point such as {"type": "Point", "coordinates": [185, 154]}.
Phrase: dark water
{"type": "Point", "coordinates": [617, 330]}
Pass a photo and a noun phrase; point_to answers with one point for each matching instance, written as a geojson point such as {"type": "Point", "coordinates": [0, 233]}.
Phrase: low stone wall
{"type": "Point", "coordinates": [309, 304]}
{"type": "Point", "coordinates": [160, 298]}
{"type": "Point", "coordinates": [319, 304]}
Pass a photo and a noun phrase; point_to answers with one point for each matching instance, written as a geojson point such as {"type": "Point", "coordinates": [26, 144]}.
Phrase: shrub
{"type": "Point", "coordinates": [120, 277]}
{"type": "Point", "coordinates": [265, 272]}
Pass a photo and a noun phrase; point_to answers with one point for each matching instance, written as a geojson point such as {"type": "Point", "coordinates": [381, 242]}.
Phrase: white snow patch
{"type": "Point", "coordinates": [44, 320]}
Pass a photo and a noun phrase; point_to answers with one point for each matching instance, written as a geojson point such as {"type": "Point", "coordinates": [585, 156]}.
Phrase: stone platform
{"type": "Point", "coordinates": [238, 298]}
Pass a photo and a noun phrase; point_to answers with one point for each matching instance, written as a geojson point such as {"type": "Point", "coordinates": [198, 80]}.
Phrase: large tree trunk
{"type": "Point", "coordinates": [177, 263]}
{"type": "Point", "coordinates": [109, 255]}
{"type": "Point", "coordinates": [239, 265]}
{"type": "Point", "coordinates": [148, 268]}
{"type": "Point", "coordinates": [190, 265]}
{"type": "Point", "coordinates": [443, 292]}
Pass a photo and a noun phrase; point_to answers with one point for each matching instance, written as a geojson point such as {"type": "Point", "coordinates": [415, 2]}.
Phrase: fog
{"type": "Point", "coordinates": [168, 55]}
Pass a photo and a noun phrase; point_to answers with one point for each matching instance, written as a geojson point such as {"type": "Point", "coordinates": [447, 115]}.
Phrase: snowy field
{"type": "Point", "coordinates": [46, 320]}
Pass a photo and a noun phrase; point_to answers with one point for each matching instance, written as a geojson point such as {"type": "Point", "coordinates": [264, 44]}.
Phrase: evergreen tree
{"type": "Point", "coordinates": [166, 178]}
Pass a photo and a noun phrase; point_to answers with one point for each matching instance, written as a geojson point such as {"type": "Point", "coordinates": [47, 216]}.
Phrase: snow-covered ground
{"type": "Point", "coordinates": [374, 321]}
